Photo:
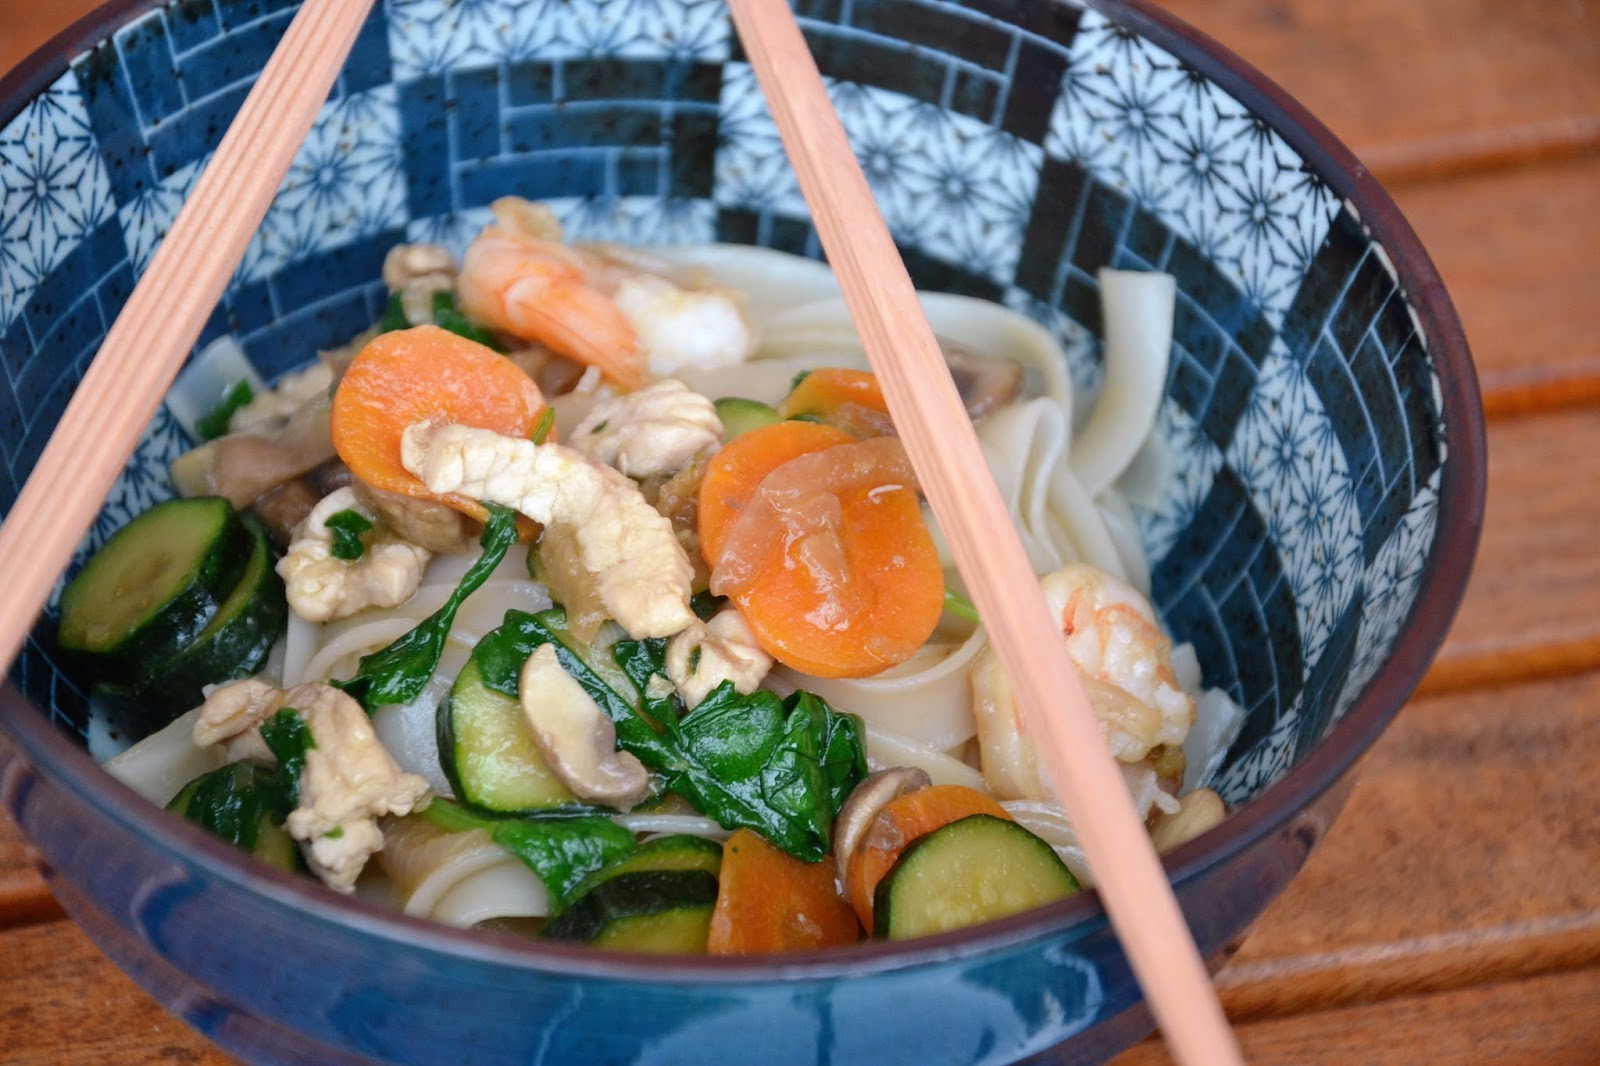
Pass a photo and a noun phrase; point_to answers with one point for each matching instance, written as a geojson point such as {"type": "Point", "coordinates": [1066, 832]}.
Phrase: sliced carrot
{"type": "Point", "coordinates": [425, 373]}
{"type": "Point", "coordinates": [849, 399]}
{"type": "Point", "coordinates": [831, 562]}
{"type": "Point", "coordinates": [768, 900]}
{"type": "Point", "coordinates": [902, 820]}
{"type": "Point", "coordinates": [734, 472]}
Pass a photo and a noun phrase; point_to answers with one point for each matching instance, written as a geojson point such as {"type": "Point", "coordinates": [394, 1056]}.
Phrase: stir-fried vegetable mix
{"type": "Point", "coordinates": [646, 736]}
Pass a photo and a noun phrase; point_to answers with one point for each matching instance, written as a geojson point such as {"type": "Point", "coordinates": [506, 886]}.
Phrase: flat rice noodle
{"type": "Point", "coordinates": [1137, 309]}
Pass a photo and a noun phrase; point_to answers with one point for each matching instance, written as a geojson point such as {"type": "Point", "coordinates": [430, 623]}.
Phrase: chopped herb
{"type": "Point", "coordinates": [347, 526]}
{"type": "Point", "coordinates": [705, 605]}
{"type": "Point", "coordinates": [798, 378]}
{"type": "Point", "coordinates": [336, 833]}
{"type": "Point", "coordinates": [561, 850]}
{"type": "Point", "coordinates": [806, 417]}
{"type": "Point", "coordinates": [215, 424]}
{"type": "Point", "coordinates": [289, 738]}
{"type": "Point", "coordinates": [959, 605]}
{"type": "Point", "coordinates": [397, 673]}
{"type": "Point", "coordinates": [694, 659]}
{"type": "Point", "coordinates": [600, 426]}
{"type": "Point", "coordinates": [541, 430]}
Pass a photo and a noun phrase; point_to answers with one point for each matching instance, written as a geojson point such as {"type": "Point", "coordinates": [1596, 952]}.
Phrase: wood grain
{"type": "Point", "coordinates": [1530, 609]}
{"type": "Point", "coordinates": [1430, 88]}
{"type": "Point", "coordinates": [1543, 1021]}
{"type": "Point", "coordinates": [63, 1003]}
{"type": "Point", "coordinates": [1518, 254]}
{"type": "Point", "coordinates": [1461, 798]}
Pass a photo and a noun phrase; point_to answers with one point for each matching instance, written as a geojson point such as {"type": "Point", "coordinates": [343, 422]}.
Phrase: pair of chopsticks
{"type": "Point", "coordinates": [168, 308]}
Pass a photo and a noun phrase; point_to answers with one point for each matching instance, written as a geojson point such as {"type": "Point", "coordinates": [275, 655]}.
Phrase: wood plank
{"type": "Point", "coordinates": [1462, 857]}
{"type": "Point", "coordinates": [24, 27]}
{"type": "Point", "coordinates": [1445, 86]}
{"type": "Point", "coordinates": [65, 1003]}
{"type": "Point", "coordinates": [1530, 608]}
{"type": "Point", "coordinates": [1544, 1021]}
{"type": "Point", "coordinates": [1535, 329]}
{"type": "Point", "coordinates": [23, 896]}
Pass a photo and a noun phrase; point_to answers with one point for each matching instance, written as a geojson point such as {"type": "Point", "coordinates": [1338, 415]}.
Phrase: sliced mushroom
{"type": "Point", "coordinates": [243, 466]}
{"type": "Point", "coordinates": [571, 585]}
{"type": "Point", "coordinates": [576, 739]}
{"type": "Point", "coordinates": [984, 382]}
{"type": "Point", "coordinates": [425, 523]}
{"type": "Point", "coordinates": [865, 801]}
{"type": "Point", "coordinates": [285, 507]}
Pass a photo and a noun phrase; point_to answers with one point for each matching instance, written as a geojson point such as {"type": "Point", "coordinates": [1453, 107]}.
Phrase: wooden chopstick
{"type": "Point", "coordinates": [169, 306]}
{"type": "Point", "coordinates": [944, 450]}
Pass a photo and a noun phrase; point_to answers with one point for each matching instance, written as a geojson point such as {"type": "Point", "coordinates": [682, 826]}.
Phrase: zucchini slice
{"type": "Point", "coordinates": [662, 855]}
{"type": "Point", "coordinates": [488, 752]}
{"type": "Point", "coordinates": [660, 911]}
{"type": "Point", "coordinates": [234, 644]}
{"type": "Point", "coordinates": [740, 416]}
{"type": "Point", "coordinates": [975, 869]}
{"type": "Point", "coordinates": [241, 803]}
{"type": "Point", "coordinates": [153, 587]}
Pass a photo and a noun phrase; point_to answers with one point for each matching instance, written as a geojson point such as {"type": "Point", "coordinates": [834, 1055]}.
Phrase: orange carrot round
{"type": "Point", "coordinates": [831, 562]}
{"type": "Point", "coordinates": [425, 373]}
{"type": "Point", "coordinates": [902, 820]}
{"type": "Point", "coordinates": [768, 900]}
{"type": "Point", "coordinates": [734, 472]}
{"type": "Point", "coordinates": [849, 399]}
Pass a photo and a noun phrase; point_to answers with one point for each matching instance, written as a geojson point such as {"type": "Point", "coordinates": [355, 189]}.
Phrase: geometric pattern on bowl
{"type": "Point", "coordinates": [1015, 147]}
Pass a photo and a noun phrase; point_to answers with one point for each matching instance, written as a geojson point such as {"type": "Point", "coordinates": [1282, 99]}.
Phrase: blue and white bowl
{"type": "Point", "coordinates": [1313, 544]}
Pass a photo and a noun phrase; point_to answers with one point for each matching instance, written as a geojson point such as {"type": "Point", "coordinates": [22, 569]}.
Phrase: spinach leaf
{"type": "Point", "coordinates": [394, 315]}
{"type": "Point", "coordinates": [231, 802]}
{"type": "Point", "coordinates": [562, 851]}
{"type": "Point", "coordinates": [215, 423]}
{"type": "Point", "coordinates": [446, 315]}
{"type": "Point", "coordinates": [347, 526]}
{"type": "Point", "coordinates": [289, 738]}
{"type": "Point", "coordinates": [780, 767]}
{"type": "Point", "coordinates": [397, 673]}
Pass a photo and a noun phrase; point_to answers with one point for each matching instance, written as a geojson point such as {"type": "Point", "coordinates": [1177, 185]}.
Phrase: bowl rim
{"type": "Point", "coordinates": [1439, 594]}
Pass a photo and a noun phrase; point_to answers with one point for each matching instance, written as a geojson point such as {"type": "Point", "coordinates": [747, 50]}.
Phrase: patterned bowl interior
{"type": "Point", "coordinates": [1015, 146]}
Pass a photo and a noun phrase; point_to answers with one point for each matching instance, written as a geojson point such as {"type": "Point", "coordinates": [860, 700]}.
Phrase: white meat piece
{"type": "Point", "coordinates": [322, 587]}
{"type": "Point", "coordinates": [629, 551]}
{"type": "Point", "coordinates": [349, 780]}
{"type": "Point", "coordinates": [655, 430]}
{"type": "Point", "coordinates": [699, 328]}
{"type": "Point", "coordinates": [727, 652]}
{"type": "Point", "coordinates": [294, 391]}
{"type": "Point", "coordinates": [416, 272]}
{"type": "Point", "coordinates": [576, 738]}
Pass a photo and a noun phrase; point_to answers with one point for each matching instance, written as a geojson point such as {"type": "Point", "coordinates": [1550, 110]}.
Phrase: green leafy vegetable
{"type": "Point", "coordinates": [215, 423]}
{"type": "Point", "coordinates": [705, 605]}
{"type": "Point", "coordinates": [446, 315]}
{"type": "Point", "coordinates": [289, 738]}
{"type": "Point", "coordinates": [959, 605]}
{"type": "Point", "coordinates": [397, 673]}
{"type": "Point", "coordinates": [562, 851]}
{"type": "Point", "coordinates": [394, 315]}
{"type": "Point", "coordinates": [347, 526]}
{"type": "Point", "coordinates": [231, 802]}
{"type": "Point", "coordinates": [780, 767]}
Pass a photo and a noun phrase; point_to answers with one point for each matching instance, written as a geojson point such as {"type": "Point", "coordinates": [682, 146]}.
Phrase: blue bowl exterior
{"type": "Point", "coordinates": [238, 954]}
{"type": "Point", "coordinates": [1314, 546]}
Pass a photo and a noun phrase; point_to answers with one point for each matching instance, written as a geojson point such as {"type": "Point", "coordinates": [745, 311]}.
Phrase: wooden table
{"type": "Point", "coordinates": [1453, 914]}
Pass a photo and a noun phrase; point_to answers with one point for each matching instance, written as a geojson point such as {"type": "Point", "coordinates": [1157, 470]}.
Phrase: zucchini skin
{"type": "Point", "coordinates": [233, 645]}
{"type": "Point", "coordinates": [973, 870]}
{"type": "Point", "coordinates": [632, 895]}
{"type": "Point", "coordinates": [476, 778]}
{"type": "Point", "coordinates": [135, 656]}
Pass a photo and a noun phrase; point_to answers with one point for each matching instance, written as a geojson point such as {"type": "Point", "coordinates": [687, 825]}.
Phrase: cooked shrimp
{"type": "Point", "coordinates": [538, 290]}
{"type": "Point", "coordinates": [626, 314]}
{"type": "Point", "coordinates": [1126, 661]}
